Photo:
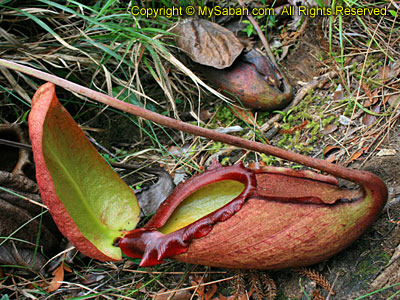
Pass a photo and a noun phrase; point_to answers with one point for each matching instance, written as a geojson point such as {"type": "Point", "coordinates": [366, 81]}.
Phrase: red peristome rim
{"type": "Point", "coordinates": [153, 246]}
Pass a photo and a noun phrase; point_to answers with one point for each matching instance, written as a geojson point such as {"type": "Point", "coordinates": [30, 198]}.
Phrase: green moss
{"type": "Point", "coordinates": [216, 146]}
{"type": "Point", "coordinates": [327, 121]}
{"type": "Point", "coordinates": [225, 161]}
{"type": "Point", "coordinates": [349, 109]}
{"type": "Point", "coordinates": [371, 265]}
{"type": "Point", "coordinates": [269, 159]}
{"type": "Point", "coordinates": [225, 115]}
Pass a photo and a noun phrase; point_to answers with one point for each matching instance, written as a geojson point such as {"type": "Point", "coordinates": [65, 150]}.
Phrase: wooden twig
{"type": "Point", "coordinates": [360, 177]}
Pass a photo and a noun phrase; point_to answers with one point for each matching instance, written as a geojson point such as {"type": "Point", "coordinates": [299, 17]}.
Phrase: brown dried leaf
{"type": "Point", "coordinates": [208, 43]}
{"type": "Point", "coordinates": [367, 91]}
{"type": "Point", "coordinates": [141, 287]}
{"type": "Point", "coordinates": [356, 155]}
{"type": "Point", "coordinates": [205, 115]}
{"type": "Point", "coordinates": [294, 128]}
{"type": "Point", "coordinates": [394, 100]}
{"type": "Point", "coordinates": [384, 72]}
{"type": "Point", "coordinates": [257, 165]}
{"type": "Point", "coordinates": [245, 115]}
{"type": "Point", "coordinates": [394, 69]}
{"type": "Point", "coordinates": [211, 290]}
{"type": "Point", "coordinates": [92, 278]}
{"type": "Point", "coordinates": [248, 42]}
{"type": "Point", "coordinates": [179, 295]}
{"type": "Point", "coordinates": [388, 72]}
{"type": "Point", "coordinates": [338, 94]}
{"type": "Point", "coordinates": [329, 149]}
{"type": "Point", "coordinates": [372, 99]}
{"type": "Point", "coordinates": [204, 291]}
{"type": "Point", "coordinates": [329, 129]}
{"type": "Point", "coordinates": [68, 269]}
{"type": "Point", "coordinates": [150, 198]}
{"type": "Point", "coordinates": [368, 119]}
{"type": "Point", "coordinates": [371, 119]}
{"type": "Point", "coordinates": [58, 277]}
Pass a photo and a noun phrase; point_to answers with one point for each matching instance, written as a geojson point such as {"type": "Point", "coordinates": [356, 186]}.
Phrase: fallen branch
{"type": "Point", "coordinates": [335, 170]}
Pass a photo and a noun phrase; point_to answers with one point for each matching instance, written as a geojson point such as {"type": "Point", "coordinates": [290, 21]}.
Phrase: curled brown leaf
{"type": "Point", "coordinates": [208, 43]}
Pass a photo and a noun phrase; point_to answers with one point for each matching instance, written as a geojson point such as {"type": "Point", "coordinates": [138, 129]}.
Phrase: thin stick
{"type": "Point", "coordinates": [360, 177]}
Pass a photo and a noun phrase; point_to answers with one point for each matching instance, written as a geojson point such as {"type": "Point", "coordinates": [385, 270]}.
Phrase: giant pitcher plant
{"type": "Point", "coordinates": [233, 217]}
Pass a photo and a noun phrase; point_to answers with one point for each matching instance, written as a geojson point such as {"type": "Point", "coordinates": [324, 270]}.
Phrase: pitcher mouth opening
{"type": "Point", "coordinates": [190, 212]}
{"type": "Point", "coordinates": [201, 203]}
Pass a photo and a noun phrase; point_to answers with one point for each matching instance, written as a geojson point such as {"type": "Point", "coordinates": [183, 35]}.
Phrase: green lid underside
{"type": "Point", "coordinates": [98, 201]}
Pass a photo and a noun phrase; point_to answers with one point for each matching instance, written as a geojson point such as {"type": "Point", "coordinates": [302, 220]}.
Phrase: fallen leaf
{"type": "Point", "coordinates": [388, 72]}
{"type": "Point", "coordinates": [257, 165]}
{"type": "Point", "coordinates": [141, 287]}
{"type": "Point", "coordinates": [151, 197]}
{"type": "Point", "coordinates": [58, 277]}
{"type": "Point", "coordinates": [178, 295]}
{"type": "Point", "coordinates": [204, 291]}
{"type": "Point", "coordinates": [68, 269]}
{"type": "Point", "coordinates": [285, 51]}
{"type": "Point", "coordinates": [356, 155]}
{"type": "Point", "coordinates": [338, 94]}
{"type": "Point", "coordinates": [208, 43]}
{"type": "Point", "coordinates": [395, 69]}
{"type": "Point", "coordinates": [248, 42]}
{"type": "Point", "coordinates": [394, 100]}
{"type": "Point", "coordinates": [367, 91]}
{"type": "Point", "coordinates": [245, 115]}
{"type": "Point", "coordinates": [205, 115]}
{"type": "Point", "coordinates": [210, 291]}
{"type": "Point", "coordinates": [92, 278]}
{"type": "Point", "coordinates": [384, 72]}
{"type": "Point", "coordinates": [294, 128]}
{"type": "Point", "coordinates": [329, 129]}
{"type": "Point", "coordinates": [373, 99]}
{"type": "Point", "coordinates": [329, 149]}
{"type": "Point", "coordinates": [229, 129]}
{"type": "Point", "coordinates": [369, 119]}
